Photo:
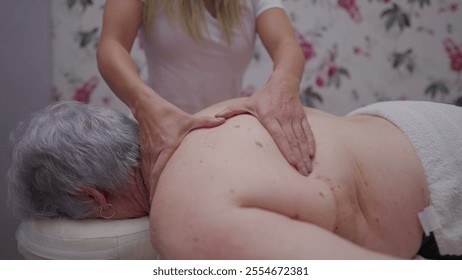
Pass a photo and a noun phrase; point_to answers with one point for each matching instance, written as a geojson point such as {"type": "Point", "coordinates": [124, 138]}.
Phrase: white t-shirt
{"type": "Point", "coordinates": [194, 76]}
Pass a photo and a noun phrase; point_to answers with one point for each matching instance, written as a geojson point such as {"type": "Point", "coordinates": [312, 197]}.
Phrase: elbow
{"type": "Point", "coordinates": [100, 57]}
{"type": "Point", "coordinates": [105, 54]}
{"type": "Point", "coordinates": [105, 58]}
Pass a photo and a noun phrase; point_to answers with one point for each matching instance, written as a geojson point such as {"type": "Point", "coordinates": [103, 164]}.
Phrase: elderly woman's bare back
{"type": "Point", "coordinates": [227, 192]}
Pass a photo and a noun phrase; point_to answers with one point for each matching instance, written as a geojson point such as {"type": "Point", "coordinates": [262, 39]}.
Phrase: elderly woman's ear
{"type": "Point", "coordinates": [90, 192]}
{"type": "Point", "coordinates": [99, 198]}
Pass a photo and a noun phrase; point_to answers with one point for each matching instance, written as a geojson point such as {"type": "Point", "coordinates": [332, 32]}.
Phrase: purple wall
{"type": "Point", "coordinates": [25, 86]}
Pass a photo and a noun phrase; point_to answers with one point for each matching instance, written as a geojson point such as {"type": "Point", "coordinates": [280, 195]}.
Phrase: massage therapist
{"type": "Point", "coordinates": [197, 53]}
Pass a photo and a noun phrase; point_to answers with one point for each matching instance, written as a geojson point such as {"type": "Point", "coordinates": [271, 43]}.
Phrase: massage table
{"type": "Point", "coordinates": [64, 239]}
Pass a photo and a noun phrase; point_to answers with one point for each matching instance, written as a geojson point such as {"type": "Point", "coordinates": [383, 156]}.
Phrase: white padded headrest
{"type": "Point", "coordinates": [85, 239]}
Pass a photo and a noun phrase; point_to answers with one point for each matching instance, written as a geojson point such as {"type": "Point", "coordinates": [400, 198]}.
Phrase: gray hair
{"type": "Point", "coordinates": [63, 147]}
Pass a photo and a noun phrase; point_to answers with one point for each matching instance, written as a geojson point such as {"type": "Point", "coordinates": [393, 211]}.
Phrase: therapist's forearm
{"type": "Point", "coordinates": [120, 73]}
{"type": "Point", "coordinates": [289, 63]}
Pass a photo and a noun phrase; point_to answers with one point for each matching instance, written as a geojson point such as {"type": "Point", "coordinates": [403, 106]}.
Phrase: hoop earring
{"type": "Point", "coordinates": [110, 216]}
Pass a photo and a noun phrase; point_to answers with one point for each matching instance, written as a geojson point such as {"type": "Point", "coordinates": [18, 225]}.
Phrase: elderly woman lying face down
{"type": "Point", "coordinates": [77, 161]}
{"type": "Point", "coordinates": [227, 192]}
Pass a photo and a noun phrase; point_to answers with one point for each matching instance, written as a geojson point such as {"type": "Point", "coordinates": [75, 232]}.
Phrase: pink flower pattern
{"type": "Point", "coordinates": [84, 93]}
{"type": "Point", "coordinates": [307, 47]}
{"type": "Point", "coordinates": [381, 50]}
{"type": "Point", "coordinates": [455, 54]}
{"type": "Point", "coordinates": [351, 8]}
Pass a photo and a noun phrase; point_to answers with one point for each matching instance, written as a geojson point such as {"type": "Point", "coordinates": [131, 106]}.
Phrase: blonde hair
{"type": "Point", "coordinates": [190, 14]}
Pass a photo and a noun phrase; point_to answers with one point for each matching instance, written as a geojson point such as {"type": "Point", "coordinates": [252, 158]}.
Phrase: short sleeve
{"type": "Point", "coordinates": [262, 5]}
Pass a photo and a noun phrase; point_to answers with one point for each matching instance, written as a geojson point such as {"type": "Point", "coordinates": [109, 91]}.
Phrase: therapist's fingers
{"type": "Point", "coordinates": [240, 106]}
{"type": "Point", "coordinates": [309, 137]}
{"type": "Point", "coordinates": [294, 144]}
{"type": "Point", "coordinates": [303, 144]}
{"type": "Point", "coordinates": [205, 122]}
{"type": "Point", "coordinates": [275, 130]}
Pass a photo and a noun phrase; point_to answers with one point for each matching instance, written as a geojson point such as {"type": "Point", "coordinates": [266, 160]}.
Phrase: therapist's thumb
{"type": "Point", "coordinates": [234, 109]}
{"type": "Point", "coordinates": [207, 122]}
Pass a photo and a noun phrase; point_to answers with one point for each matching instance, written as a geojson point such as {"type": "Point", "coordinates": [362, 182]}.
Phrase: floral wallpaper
{"type": "Point", "coordinates": [356, 51]}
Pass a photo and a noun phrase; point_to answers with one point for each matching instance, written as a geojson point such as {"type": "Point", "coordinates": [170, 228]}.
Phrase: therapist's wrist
{"type": "Point", "coordinates": [281, 75]}
{"type": "Point", "coordinates": [151, 105]}
{"type": "Point", "coordinates": [284, 84]}
{"type": "Point", "coordinates": [145, 101]}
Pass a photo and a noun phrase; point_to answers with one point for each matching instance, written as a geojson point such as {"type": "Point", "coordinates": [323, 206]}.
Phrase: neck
{"type": "Point", "coordinates": [133, 202]}
{"type": "Point", "coordinates": [145, 192]}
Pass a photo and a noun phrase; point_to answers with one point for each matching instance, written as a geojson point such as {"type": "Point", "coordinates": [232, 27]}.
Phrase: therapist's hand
{"type": "Point", "coordinates": [160, 136]}
{"type": "Point", "coordinates": [278, 108]}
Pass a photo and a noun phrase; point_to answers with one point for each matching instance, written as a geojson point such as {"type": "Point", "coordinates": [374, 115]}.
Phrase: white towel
{"type": "Point", "coordinates": [435, 131]}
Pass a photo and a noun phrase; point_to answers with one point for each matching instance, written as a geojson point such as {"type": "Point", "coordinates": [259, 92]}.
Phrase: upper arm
{"type": "Point", "coordinates": [275, 28]}
{"type": "Point", "coordinates": [255, 233]}
{"type": "Point", "coordinates": [121, 21]}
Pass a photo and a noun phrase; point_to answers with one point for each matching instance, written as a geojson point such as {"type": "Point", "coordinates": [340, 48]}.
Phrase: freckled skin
{"type": "Point", "coordinates": [357, 199]}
